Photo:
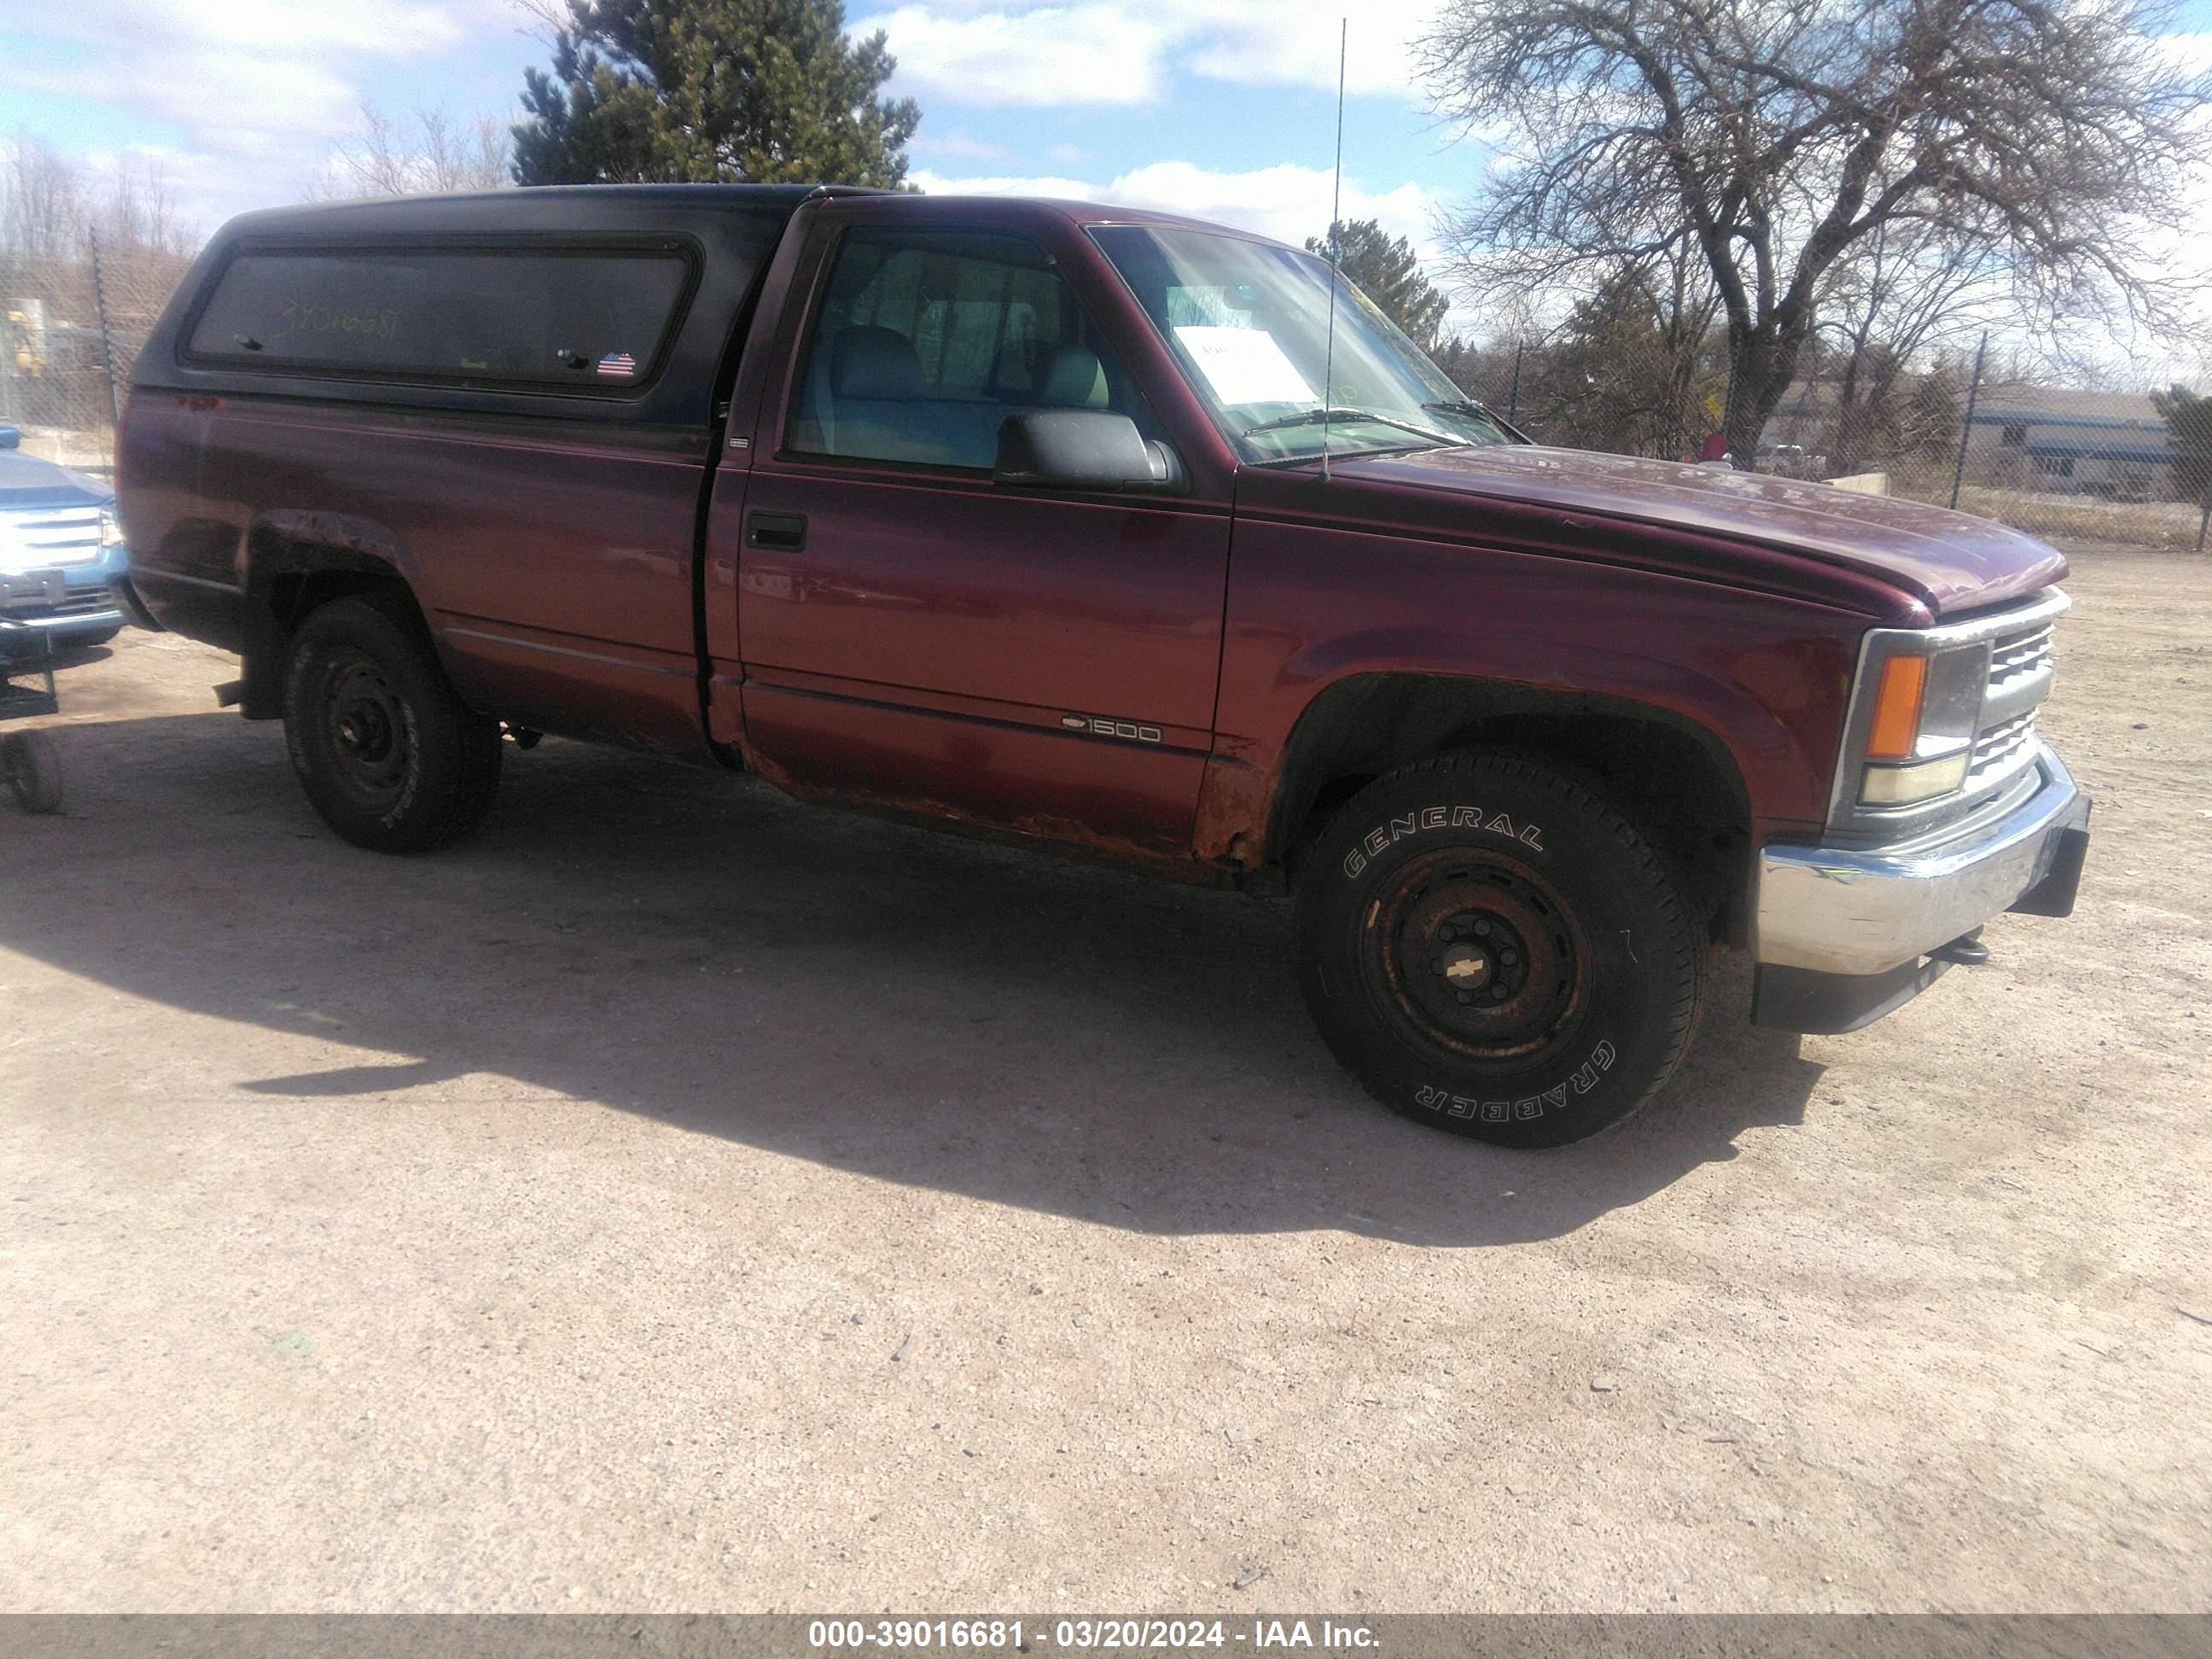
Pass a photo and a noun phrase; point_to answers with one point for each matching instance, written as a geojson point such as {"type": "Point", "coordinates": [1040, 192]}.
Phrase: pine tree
{"type": "Point", "coordinates": [2188, 420]}
{"type": "Point", "coordinates": [706, 91]}
{"type": "Point", "coordinates": [1929, 429]}
{"type": "Point", "coordinates": [1388, 272]}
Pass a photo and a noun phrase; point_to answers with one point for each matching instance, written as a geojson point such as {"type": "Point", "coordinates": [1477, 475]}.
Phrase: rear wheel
{"type": "Point", "coordinates": [1490, 947]}
{"type": "Point", "coordinates": [387, 753]}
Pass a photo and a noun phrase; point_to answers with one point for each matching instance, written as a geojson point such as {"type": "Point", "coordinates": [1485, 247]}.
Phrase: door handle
{"type": "Point", "coordinates": [786, 532]}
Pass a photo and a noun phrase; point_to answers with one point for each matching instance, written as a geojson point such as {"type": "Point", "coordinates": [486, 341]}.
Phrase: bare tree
{"type": "Point", "coordinates": [473, 154]}
{"type": "Point", "coordinates": [90, 254]}
{"type": "Point", "coordinates": [433, 152]}
{"type": "Point", "coordinates": [1782, 134]}
{"type": "Point", "coordinates": [1904, 290]}
{"type": "Point", "coordinates": [42, 200]}
{"type": "Point", "coordinates": [52, 207]}
{"type": "Point", "coordinates": [137, 215]}
{"type": "Point", "coordinates": [1630, 369]}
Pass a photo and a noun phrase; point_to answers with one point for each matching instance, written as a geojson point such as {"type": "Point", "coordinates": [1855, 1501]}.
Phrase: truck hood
{"type": "Point", "coordinates": [27, 482]}
{"type": "Point", "coordinates": [1950, 562]}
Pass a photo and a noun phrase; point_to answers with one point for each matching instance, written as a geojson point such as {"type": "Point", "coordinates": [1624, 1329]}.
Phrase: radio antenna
{"type": "Point", "coordinates": [1335, 251]}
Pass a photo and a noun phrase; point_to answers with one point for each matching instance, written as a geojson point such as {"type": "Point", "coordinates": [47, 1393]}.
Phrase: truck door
{"type": "Point", "coordinates": [912, 633]}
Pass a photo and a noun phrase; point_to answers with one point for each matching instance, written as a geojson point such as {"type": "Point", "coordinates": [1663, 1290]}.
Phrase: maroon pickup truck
{"type": "Point", "coordinates": [1106, 530]}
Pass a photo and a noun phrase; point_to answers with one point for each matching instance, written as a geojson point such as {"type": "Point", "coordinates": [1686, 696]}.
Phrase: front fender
{"type": "Point", "coordinates": [1765, 678]}
{"type": "Point", "coordinates": [1728, 695]}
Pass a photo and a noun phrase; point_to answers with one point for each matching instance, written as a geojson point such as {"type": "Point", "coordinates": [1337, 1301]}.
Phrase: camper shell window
{"type": "Point", "coordinates": [593, 321]}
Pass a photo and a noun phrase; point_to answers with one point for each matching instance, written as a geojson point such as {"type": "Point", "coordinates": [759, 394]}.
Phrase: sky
{"type": "Point", "coordinates": [1225, 109]}
{"type": "Point", "coordinates": [1222, 108]}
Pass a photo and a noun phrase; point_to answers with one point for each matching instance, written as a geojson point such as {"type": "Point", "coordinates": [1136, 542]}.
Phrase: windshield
{"type": "Point", "coordinates": [1249, 325]}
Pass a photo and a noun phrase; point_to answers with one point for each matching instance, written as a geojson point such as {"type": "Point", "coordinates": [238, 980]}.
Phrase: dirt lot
{"type": "Point", "coordinates": [676, 1199]}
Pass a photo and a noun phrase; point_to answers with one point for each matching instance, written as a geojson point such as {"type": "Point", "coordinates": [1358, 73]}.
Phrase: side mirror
{"type": "Point", "coordinates": [1082, 449]}
{"type": "Point", "coordinates": [10, 436]}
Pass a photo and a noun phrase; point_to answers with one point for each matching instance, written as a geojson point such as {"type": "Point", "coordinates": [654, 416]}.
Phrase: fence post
{"type": "Point", "coordinates": [2203, 523]}
{"type": "Point", "coordinates": [1513, 397]}
{"type": "Point", "coordinates": [106, 336]}
{"type": "Point", "coordinates": [1966, 424]}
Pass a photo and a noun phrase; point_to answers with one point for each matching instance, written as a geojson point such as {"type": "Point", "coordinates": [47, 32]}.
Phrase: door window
{"type": "Point", "coordinates": [926, 341]}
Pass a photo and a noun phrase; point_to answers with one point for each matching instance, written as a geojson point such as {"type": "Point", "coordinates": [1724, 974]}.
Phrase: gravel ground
{"type": "Point", "coordinates": [677, 1199]}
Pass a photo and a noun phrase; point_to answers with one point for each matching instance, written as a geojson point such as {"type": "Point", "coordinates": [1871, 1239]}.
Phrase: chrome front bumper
{"type": "Point", "coordinates": [1868, 911]}
{"type": "Point", "coordinates": [107, 616]}
{"type": "Point", "coordinates": [62, 600]}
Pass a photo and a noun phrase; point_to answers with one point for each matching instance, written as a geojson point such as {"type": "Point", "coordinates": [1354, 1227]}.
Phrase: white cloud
{"type": "Point", "coordinates": [1074, 190]}
{"type": "Point", "coordinates": [255, 91]}
{"type": "Point", "coordinates": [1051, 55]}
{"type": "Point", "coordinates": [961, 147]}
{"type": "Point", "coordinates": [1294, 42]}
{"type": "Point", "coordinates": [257, 103]}
{"type": "Point", "coordinates": [2191, 53]}
{"type": "Point", "coordinates": [1287, 203]}
{"type": "Point", "coordinates": [984, 53]}
{"type": "Point", "coordinates": [273, 28]}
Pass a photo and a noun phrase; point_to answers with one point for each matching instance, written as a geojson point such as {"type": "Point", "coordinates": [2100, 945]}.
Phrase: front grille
{"type": "Point", "coordinates": [48, 537]}
{"type": "Point", "coordinates": [2016, 656]}
{"type": "Point", "coordinates": [2000, 748]}
{"type": "Point", "coordinates": [2022, 664]}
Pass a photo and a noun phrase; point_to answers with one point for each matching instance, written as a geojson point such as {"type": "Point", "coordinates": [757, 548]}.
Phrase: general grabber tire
{"type": "Point", "coordinates": [387, 753]}
{"type": "Point", "coordinates": [1490, 947]}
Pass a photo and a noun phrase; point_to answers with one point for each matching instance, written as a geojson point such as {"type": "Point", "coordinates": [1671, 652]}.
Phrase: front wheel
{"type": "Point", "coordinates": [1490, 947]}
{"type": "Point", "coordinates": [387, 753]}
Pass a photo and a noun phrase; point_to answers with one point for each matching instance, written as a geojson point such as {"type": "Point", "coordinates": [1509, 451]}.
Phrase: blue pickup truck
{"type": "Point", "coordinates": [60, 548]}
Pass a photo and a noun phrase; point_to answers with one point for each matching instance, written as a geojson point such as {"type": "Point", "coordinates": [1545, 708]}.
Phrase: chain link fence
{"type": "Point", "coordinates": [2055, 461]}
{"type": "Point", "coordinates": [72, 324]}
{"type": "Point", "coordinates": [2128, 468]}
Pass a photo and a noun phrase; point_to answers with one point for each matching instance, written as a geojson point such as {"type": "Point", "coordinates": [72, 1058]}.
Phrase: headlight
{"type": "Point", "coordinates": [111, 528]}
{"type": "Point", "coordinates": [1927, 710]}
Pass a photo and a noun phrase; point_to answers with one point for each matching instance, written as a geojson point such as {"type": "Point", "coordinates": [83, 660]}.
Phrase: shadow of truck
{"type": "Point", "coordinates": [908, 1006]}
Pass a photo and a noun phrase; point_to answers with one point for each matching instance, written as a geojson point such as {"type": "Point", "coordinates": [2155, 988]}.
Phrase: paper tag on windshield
{"type": "Point", "coordinates": [1245, 365]}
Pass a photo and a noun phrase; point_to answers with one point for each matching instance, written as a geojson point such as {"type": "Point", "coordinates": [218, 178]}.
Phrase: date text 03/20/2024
{"type": "Point", "coordinates": [1022, 1636]}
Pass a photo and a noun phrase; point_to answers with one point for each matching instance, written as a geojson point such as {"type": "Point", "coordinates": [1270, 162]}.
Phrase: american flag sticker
{"type": "Point", "coordinates": [618, 366]}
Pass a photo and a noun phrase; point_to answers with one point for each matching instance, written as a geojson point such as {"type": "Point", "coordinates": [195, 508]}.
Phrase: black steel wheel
{"type": "Point", "coordinates": [1473, 951]}
{"type": "Point", "coordinates": [370, 736]}
{"type": "Point", "coordinates": [387, 753]}
{"type": "Point", "coordinates": [1490, 947]}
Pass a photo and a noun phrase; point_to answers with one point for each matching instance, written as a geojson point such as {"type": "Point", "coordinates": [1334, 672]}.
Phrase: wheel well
{"type": "Point", "coordinates": [1672, 777]}
{"type": "Point", "coordinates": [293, 593]}
{"type": "Point", "coordinates": [280, 600]}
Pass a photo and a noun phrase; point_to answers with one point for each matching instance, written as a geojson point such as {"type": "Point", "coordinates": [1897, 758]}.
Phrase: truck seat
{"type": "Point", "coordinates": [873, 402]}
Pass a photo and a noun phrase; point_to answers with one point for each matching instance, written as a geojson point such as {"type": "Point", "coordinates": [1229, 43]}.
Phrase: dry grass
{"type": "Point", "coordinates": [2171, 526]}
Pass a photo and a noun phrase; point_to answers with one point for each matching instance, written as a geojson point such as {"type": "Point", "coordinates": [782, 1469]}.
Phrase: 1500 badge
{"type": "Point", "coordinates": [1098, 726]}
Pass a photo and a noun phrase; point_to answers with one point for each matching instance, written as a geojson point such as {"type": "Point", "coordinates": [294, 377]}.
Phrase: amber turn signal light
{"type": "Point", "coordinates": [1896, 728]}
